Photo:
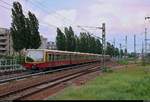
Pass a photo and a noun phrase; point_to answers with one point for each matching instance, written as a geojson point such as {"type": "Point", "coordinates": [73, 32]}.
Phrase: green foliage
{"type": "Point", "coordinates": [18, 27]}
{"type": "Point", "coordinates": [24, 30]}
{"type": "Point", "coordinates": [85, 43]}
{"type": "Point", "coordinates": [130, 84]}
{"type": "Point", "coordinates": [110, 49]}
{"type": "Point", "coordinates": [107, 70]}
{"type": "Point", "coordinates": [123, 62]}
{"type": "Point", "coordinates": [19, 58]}
{"type": "Point", "coordinates": [116, 52]}
{"type": "Point", "coordinates": [60, 40]}
{"type": "Point", "coordinates": [70, 39]}
{"type": "Point", "coordinates": [121, 53]}
{"type": "Point", "coordinates": [35, 40]}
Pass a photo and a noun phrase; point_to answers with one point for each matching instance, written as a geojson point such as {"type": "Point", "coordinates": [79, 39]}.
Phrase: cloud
{"type": "Point", "coordinates": [118, 15]}
{"type": "Point", "coordinates": [122, 17]}
{"type": "Point", "coordinates": [61, 17]}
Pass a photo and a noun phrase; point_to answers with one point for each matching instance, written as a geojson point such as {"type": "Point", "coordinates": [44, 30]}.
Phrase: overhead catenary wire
{"type": "Point", "coordinates": [64, 18]}
{"type": "Point", "coordinates": [56, 14]}
{"type": "Point", "coordinates": [24, 12]}
{"type": "Point", "coordinates": [5, 7]}
{"type": "Point", "coordinates": [6, 3]}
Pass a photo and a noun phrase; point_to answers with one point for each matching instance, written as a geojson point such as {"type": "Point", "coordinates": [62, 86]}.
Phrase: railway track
{"type": "Point", "coordinates": [4, 76]}
{"type": "Point", "coordinates": [20, 92]}
{"type": "Point", "coordinates": [25, 74]}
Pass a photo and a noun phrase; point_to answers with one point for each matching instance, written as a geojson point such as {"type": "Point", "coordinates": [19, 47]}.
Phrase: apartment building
{"type": "Point", "coordinates": [45, 44]}
{"type": "Point", "coordinates": [5, 42]}
{"type": "Point", "coordinates": [51, 45]}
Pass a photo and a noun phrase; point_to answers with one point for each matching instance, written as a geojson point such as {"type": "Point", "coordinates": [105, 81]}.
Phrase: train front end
{"type": "Point", "coordinates": [34, 59]}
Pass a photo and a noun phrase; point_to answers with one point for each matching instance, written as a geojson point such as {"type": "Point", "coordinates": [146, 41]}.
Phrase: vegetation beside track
{"type": "Point", "coordinates": [127, 83]}
{"type": "Point", "coordinates": [123, 62]}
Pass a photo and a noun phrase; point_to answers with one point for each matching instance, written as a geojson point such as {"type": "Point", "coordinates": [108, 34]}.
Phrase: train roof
{"type": "Point", "coordinates": [58, 51]}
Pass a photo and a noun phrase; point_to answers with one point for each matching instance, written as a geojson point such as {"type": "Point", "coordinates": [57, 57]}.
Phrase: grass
{"type": "Point", "coordinates": [123, 62]}
{"type": "Point", "coordinates": [123, 84]}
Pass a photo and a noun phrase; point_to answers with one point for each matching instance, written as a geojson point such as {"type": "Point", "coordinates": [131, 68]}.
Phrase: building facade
{"type": "Point", "coordinates": [5, 42]}
{"type": "Point", "coordinates": [45, 44]}
{"type": "Point", "coordinates": [51, 45]}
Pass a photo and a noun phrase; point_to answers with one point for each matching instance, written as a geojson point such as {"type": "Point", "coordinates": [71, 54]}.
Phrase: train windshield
{"type": "Point", "coordinates": [35, 56]}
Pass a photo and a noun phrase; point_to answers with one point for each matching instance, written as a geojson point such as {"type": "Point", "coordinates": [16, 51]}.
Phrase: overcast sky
{"type": "Point", "coordinates": [122, 17]}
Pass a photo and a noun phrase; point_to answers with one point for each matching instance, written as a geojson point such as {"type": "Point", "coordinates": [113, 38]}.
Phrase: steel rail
{"type": "Point", "coordinates": [40, 73]}
{"type": "Point", "coordinates": [16, 95]}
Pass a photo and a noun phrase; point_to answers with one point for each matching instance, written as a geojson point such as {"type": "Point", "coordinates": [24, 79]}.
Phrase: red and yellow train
{"type": "Point", "coordinates": [43, 59]}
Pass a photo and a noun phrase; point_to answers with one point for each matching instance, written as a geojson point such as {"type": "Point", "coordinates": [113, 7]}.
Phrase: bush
{"type": "Point", "coordinates": [20, 59]}
{"type": "Point", "coordinates": [107, 69]}
{"type": "Point", "coordinates": [123, 62]}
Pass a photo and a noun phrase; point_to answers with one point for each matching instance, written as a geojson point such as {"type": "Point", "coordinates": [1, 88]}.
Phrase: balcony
{"type": "Point", "coordinates": [3, 43]}
{"type": "Point", "coordinates": [2, 49]}
{"type": "Point", "coordinates": [3, 38]}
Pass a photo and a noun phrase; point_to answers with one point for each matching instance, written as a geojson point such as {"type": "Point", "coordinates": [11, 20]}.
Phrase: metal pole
{"type": "Point", "coordinates": [103, 43]}
{"type": "Point", "coordinates": [126, 39]}
{"type": "Point", "coordinates": [120, 51]}
{"type": "Point", "coordinates": [143, 60]}
{"type": "Point", "coordinates": [145, 42]}
{"type": "Point", "coordinates": [114, 45]}
{"type": "Point", "coordinates": [135, 47]}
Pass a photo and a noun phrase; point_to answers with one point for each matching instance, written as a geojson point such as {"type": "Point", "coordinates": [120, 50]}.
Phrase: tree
{"type": "Point", "coordinates": [116, 52]}
{"type": "Point", "coordinates": [73, 40]}
{"type": "Point", "coordinates": [24, 30]}
{"type": "Point", "coordinates": [83, 42]}
{"type": "Point", "coordinates": [34, 40]}
{"type": "Point", "coordinates": [121, 53]}
{"type": "Point", "coordinates": [110, 49]}
{"type": "Point", "coordinates": [60, 40]}
{"type": "Point", "coordinates": [18, 29]}
{"type": "Point", "coordinates": [68, 39]}
{"type": "Point", "coordinates": [98, 47]}
{"type": "Point", "coordinates": [77, 40]}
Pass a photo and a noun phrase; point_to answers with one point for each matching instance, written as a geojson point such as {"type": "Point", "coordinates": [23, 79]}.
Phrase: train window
{"type": "Point", "coordinates": [63, 57]}
{"type": "Point", "coordinates": [74, 57]}
{"type": "Point", "coordinates": [60, 57]}
{"type": "Point", "coordinates": [57, 57]}
{"type": "Point", "coordinates": [49, 57]}
{"type": "Point", "coordinates": [68, 57]}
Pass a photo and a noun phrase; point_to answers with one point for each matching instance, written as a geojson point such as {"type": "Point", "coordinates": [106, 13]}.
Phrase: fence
{"type": "Point", "coordinates": [10, 65]}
